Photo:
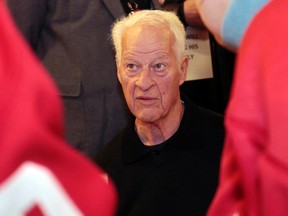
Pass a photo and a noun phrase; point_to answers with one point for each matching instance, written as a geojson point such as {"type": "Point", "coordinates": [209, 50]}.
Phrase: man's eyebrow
{"type": "Point", "coordinates": [128, 57]}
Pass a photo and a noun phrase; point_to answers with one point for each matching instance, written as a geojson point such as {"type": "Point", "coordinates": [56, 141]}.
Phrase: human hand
{"type": "Point", "coordinates": [190, 11]}
{"type": "Point", "coordinates": [192, 15]}
{"type": "Point", "coordinates": [212, 13]}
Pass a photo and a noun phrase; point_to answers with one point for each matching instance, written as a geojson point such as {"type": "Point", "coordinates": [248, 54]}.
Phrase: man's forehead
{"type": "Point", "coordinates": [145, 34]}
{"type": "Point", "coordinates": [146, 27]}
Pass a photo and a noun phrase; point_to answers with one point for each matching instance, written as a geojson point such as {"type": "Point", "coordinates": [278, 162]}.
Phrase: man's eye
{"type": "Point", "coordinates": [159, 67]}
{"type": "Point", "coordinates": [131, 66]}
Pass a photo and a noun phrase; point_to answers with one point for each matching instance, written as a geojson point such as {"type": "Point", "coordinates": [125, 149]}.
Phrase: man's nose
{"type": "Point", "coordinates": [145, 79]}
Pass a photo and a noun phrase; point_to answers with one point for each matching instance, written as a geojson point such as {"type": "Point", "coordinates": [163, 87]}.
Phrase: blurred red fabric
{"type": "Point", "coordinates": [254, 168]}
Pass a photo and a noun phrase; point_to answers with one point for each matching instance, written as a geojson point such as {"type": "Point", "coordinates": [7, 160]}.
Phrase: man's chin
{"type": "Point", "coordinates": [148, 117]}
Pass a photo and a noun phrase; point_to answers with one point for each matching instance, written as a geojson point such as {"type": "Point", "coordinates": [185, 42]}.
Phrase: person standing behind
{"type": "Point", "coordinates": [71, 38]}
{"type": "Point", "coordinates": [166, 161]}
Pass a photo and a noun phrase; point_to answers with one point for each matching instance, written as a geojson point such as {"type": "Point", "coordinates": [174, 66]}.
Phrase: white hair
{"type": "Point", "coordinates": [156, 18]}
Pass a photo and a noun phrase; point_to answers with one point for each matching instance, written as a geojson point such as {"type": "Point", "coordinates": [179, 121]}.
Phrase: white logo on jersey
{"type": "Point", "coordinates": [33, 184]}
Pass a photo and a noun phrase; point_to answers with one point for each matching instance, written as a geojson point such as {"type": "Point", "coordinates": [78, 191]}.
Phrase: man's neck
{"type": "Point", "coordinates": [154, 133]}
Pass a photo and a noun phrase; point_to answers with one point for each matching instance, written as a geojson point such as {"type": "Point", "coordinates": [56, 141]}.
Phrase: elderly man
{"type": "Point", "coordinates": [166, 161]}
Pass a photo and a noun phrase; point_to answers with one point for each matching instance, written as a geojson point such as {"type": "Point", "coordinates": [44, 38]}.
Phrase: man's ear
{"type": "Point", "coordinates": [183, 69]}
{"type": "Point", "coordinates": [118, 70]}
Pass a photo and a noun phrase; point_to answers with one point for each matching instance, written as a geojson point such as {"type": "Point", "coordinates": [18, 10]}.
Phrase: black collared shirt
{"type": "Point", "coordinates": [179, 178]}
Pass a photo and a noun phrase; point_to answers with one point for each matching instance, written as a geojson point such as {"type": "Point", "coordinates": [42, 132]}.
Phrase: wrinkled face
{"type": "Point", "coordinates": [149, 72]}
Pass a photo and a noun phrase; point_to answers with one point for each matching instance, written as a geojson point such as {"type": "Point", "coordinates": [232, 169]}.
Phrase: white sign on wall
{"type": "Point", "coordinates": [199, 54]}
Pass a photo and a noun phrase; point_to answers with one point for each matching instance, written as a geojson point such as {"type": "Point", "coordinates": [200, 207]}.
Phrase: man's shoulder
{"type": "Point", "coordinates": [204, 115]}
{"type": "Point", "coordinates": [110, 154]}
{"type": "Point", "coordinates": [206, 123]}
{"type": "Point", "coordinates": [211, 116]}
{"type": "Point", "coordinates": [109, 158]}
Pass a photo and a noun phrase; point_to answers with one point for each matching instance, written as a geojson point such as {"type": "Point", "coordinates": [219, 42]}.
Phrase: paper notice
{"type": "Point", "coordinates": [199, 54]}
